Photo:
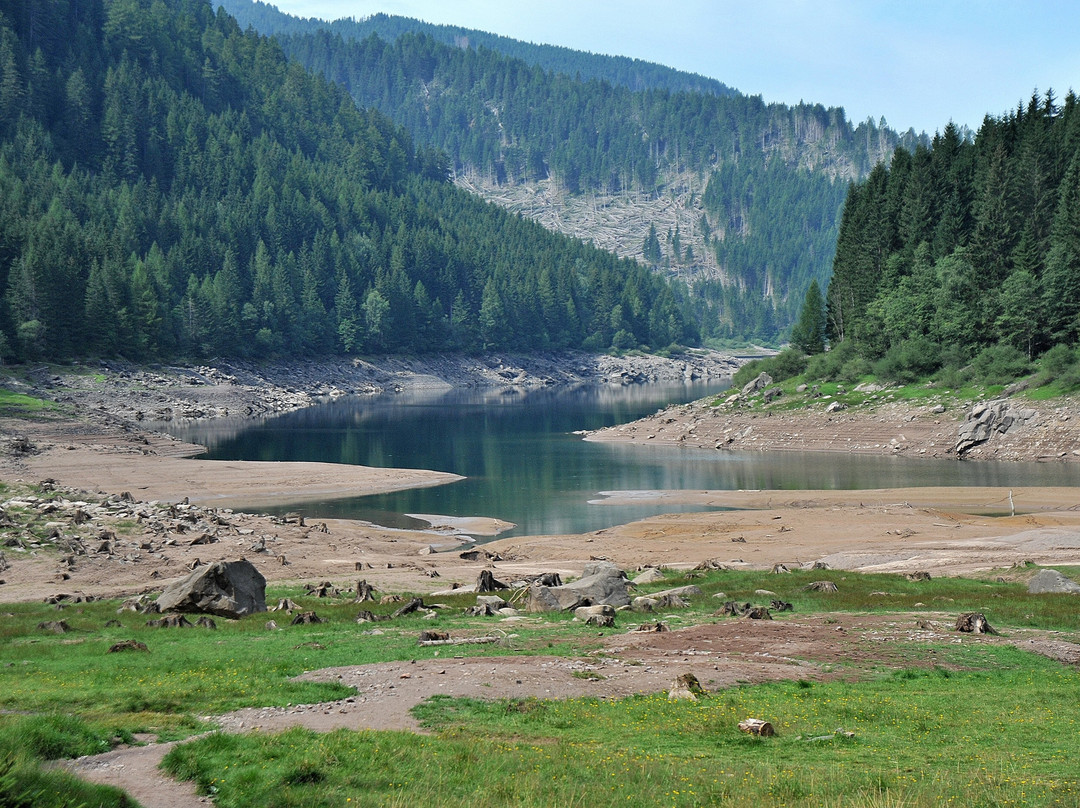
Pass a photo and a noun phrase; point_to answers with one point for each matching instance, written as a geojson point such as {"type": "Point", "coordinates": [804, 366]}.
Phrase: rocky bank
{"type": "Point", "coordinates": [229, 388]}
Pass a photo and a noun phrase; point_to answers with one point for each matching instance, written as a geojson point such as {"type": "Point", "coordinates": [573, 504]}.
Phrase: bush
{"type": "Point", "coordinates": [1057, 361]}
{"type": "Point", "coordinates": [785, 365]}
{"type": "Point", "coordinates": [999, 364]}
{"type": "Point", "coordinates": [855, 369]}
{"type": "Point", "coordinates": [828, 366]}
{"type": "Point", "coordinates": [909, 361]}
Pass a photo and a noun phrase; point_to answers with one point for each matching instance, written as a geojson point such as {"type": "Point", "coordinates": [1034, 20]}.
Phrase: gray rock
{"type": "Point", "coordinates": [583, 613]}
{"type": "Point", "coordinates": [649, 576]}
{"type": "Point", "coordinates": [679, 591]}
{"type": "Point", "coordinates": [1051, 581]}
{"type": "Point", "coordinates": [644, 604]}
{"type": "Point", "coordinates": [762, 381]}
{"type": "Point", "coordinates": [601, 583]}
{"type": "Point", "coordinates": [227, 589]}
{"type": "Point", "coordinates": [988, 419]}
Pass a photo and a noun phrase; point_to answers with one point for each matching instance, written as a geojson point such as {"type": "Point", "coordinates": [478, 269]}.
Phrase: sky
{"type": "Point", "coordinates": [917, 63]}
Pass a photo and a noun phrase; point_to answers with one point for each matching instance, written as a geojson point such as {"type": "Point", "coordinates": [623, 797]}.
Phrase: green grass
{"type": "Point", "coordinates": [20, 404]}
{"type": "Point", "coordinates": [194, 672]}
{"type": "Point", "coordinates": [66, 696]}
{"type": "Point", "coordinates": [1008, 603]}
{"type": "Point", "coordinates": [1012, 739]}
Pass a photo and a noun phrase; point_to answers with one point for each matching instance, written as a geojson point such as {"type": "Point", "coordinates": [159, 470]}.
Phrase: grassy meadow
{"type": "Point", "coordinates": [986, 725]}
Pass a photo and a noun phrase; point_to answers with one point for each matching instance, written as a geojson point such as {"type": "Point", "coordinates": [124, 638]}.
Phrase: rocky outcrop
{"type": "Point", "coordinates": [601, 583]}
{"type": "Point", "coordinates": [226, 589]}
{"type": "Point", "coordinates": [990, 418]}
{"type": "Point", "coordinates": [1050, 582]}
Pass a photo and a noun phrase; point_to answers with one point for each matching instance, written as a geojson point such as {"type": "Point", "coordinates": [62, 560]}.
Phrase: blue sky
{"type": "Point", "coordinates": [918, 63]}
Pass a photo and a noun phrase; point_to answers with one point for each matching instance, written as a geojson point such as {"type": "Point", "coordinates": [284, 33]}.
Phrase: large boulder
{"type": "Point", "coordinates": [227, 589]}
{"type": "Point", "coordinates": [989, 418]}
{"type": "Point", "coordinates": [601, 583]}
{"type": "Point", "coordinates": [1051, 581]}
{"type": "Point", "coordinates": [762, 381]}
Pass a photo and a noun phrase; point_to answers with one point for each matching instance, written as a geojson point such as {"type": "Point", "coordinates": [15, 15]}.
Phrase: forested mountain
{"type": "Point", "coordinates": [965, 246]}
{"type": "Point", "coordinates": [172, 185]}
{"type": "Point", "coordinates": [635, 74]}
{"type": "Point", "coordinates": [756, 188]}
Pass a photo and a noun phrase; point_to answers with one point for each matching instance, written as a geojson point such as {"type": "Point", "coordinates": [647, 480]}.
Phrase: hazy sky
{"type": "Point", "coordinates": [918, 63]}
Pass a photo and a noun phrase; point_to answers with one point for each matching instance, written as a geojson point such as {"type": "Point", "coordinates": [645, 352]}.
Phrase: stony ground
{"type": "Point", "coordinates": [881, 427]}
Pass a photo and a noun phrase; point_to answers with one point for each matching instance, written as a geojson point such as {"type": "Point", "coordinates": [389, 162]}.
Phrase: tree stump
{"type": "Point", "coordinates": [286, 605]}
{"type": "Point", "coordinates": [758, 613]}
{"type": "Point", "coordinates": [918, 576]}
{"type": "Point", "coordinates": [128, 645]}
{"type": "Point", "coordinates": [306, 618]}
{"type": "Point", "coordinates": [170, 621]}
{"type": "Point", "coordinates": [686, 687]}
{"type": "Point", "coordinates": [364, 592]}
{"type": "Point", "coordinates": [781, 606]}
{"type": "Point", "coordinates": [821, 586]}
{"type": "Point", "coordinates": [779, 569]}
{"type": "Point", "coordinates": [974, 623]}
{"type": "Point", "coordinates": [486, 582]}
{"type": "Point", "coordinates": [206, 622]}
{"type": "Point", "coordinates": [755, 726]}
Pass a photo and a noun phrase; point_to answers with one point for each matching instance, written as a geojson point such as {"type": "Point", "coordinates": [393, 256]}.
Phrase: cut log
{"type": "Point", "coordinates": [413, 605]}
{"type": "Point", "coordinates": [755, 726]}
{"type": "Point", "coordinates": [460, 641]}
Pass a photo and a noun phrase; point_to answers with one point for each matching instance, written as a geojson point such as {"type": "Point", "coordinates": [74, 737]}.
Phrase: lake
{"type": "Point", "coordinates": [524, 464]}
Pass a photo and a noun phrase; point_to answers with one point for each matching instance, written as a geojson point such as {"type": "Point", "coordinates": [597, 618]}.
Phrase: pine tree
{"type": "Point", "coordinates": [808, 334]}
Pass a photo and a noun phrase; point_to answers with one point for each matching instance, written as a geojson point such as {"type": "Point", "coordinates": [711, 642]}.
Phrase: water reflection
{"type": "Point", "coordinates": [524, 465]}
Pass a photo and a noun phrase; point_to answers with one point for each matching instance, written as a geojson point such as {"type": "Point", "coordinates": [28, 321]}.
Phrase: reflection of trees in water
{"type": "Point", "coordinates": [620, 403]}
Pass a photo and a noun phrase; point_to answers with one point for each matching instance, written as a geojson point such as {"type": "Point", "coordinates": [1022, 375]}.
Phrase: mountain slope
{"type": "Point", "coordinates": [172, 185]}
{"type": "Point", "coordinates": [634, 74]}
{"type": "Point", "coordinates": [744, 196]}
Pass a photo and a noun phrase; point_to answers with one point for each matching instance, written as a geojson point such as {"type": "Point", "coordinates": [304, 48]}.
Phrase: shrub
{"type": "Point", "coordinates": [909, 360]}
{"type": "Point", "coordinates": [828, 366]}
{"type": "Point", "coordinates": [788, 364]}
{"type": "Point", "coordinates": [999, 364]}
{"type": "Point", "coordinates": [784, 365]}
{"type": "Point", "coordinates": [854, 369]}
{"type": "Point", "coordinates": [1057, 361]}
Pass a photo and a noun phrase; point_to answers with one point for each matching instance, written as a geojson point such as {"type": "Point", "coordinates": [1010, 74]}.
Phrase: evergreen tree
{"type": "Point", "coordinates": [808, 334]}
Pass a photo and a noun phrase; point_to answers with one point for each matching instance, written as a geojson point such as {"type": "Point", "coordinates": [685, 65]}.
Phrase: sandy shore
{"type": "Point", "coordinates": [942, 530]}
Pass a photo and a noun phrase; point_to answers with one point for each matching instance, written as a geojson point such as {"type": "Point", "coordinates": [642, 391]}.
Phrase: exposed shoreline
{"type": "Point", "coordinates": [891, 428]}
{"type": "Point", "coordinates": [92, 447]}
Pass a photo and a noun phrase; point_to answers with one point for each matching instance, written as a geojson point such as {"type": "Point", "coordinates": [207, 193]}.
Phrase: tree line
{"type": "Point", "coordinates": [966, 246]}
{"type": "Point", "coordinates": [171, 185]}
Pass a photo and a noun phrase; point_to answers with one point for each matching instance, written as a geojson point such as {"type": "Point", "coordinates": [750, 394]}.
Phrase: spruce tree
{"type": "Point", "coordinates": [808, 334]}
